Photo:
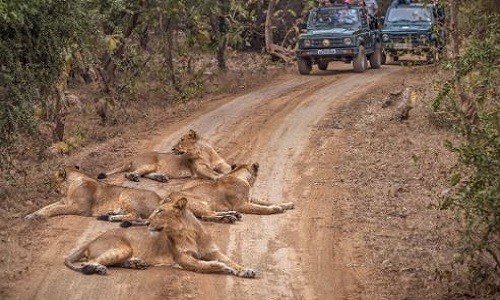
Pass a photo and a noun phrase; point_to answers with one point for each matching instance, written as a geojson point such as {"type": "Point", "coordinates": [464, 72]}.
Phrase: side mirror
{"type": "Point", "coordinates": [381, 20]}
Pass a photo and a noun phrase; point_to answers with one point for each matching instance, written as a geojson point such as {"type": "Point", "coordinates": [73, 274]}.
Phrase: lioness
{"type": "Point", "coordinates": [176, 237]}
{"type": "Point", "coordinates": [209, 199]}
{"type": "Point", "coordinates": [85, 196]}
{"type": "Point", "coordinates": [191, 157]}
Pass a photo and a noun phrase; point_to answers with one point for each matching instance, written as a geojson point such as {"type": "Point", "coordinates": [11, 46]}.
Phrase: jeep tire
{"type": "Point", "coordinates": [359, 62]}
{"type": "Point", "coordinates": [376, 57]}
{"type": "Point", "coordinates": [305, 66]}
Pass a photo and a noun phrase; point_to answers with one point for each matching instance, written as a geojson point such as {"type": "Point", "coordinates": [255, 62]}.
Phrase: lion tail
{"type": "Point", "coordinates": [123, 168]}
{"type": "Point", "coordinates": [75, 256]}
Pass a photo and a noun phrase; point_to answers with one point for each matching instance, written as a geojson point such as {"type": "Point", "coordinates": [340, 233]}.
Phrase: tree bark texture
{"type": "Point", "coordinates": [281, 52]}
{"type": "Point", "coordinates": [465, 101]}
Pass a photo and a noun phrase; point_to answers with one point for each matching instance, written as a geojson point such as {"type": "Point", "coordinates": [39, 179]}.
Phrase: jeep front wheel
{"type": "Point", "coordinates": [305, 66]}
{"type": "Point", "coordinates": [359, 62]}
{"type": "Point", "coordinates": [376, 57]}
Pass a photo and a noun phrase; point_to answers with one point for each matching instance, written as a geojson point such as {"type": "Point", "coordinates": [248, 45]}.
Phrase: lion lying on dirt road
{"type": "Point", "coordinates": [191, 157]}
{"type": "Point", "coordinates": [85, 196]}
{"type": "Point", "coordinates": [176, 237]}
{"type": "Point", "coordinates": [225, 198]}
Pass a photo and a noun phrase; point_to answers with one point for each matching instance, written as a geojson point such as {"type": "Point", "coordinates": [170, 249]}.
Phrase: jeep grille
{"type": "Point", "coordinates": [334, 42]}
{"type": "Point", "coordinates": [403, 37]}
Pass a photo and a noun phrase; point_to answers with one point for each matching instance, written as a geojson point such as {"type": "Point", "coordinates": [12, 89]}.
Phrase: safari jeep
{"type": "Point", "coordinates": [413, 28]}
{"type": "Point", "coordinates": [338, 33]}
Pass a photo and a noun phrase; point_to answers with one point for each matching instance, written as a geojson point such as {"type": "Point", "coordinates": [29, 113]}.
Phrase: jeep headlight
{"type": "Point", "coordinates": [307, 43]}
{"type": "Point", "coordinates": [347, 41]}
{"type": "Point", "coordinates": [385, 37]}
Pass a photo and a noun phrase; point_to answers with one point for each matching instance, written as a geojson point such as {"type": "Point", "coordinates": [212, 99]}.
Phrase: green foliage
{"type": "Point", "coordinates": [476, 182]}
{"type": "Point", "coordinates": [46, 42]}
{"type": "Point", "coordinates": [36, 36]}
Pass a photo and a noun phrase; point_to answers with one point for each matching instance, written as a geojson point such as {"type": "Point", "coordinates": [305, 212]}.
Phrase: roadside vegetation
{"type": "Point", "coordinates": [113, 62]}
{"type": "Point", "coordinates": [469, 100]}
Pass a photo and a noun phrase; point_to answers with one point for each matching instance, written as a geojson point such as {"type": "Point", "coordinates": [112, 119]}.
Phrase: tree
{"type": "Point", "coordinates": [37, 40]}
{"type": "Point", "coordinates": [470, 97]}
{"type": "Point", "coordinates": [287, 54]}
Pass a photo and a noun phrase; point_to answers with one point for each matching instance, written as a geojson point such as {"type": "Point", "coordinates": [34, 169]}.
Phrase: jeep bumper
{"type": "Point", "coordinates": [406, 47]}
{"type": "Point", "coordinates": [327, 53]}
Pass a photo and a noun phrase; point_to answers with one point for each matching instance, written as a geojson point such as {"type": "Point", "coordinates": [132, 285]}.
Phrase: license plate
{"type": "Point", "coordinates": [402, 46]}
{"type": "Point", "coordinates": [326, 51]}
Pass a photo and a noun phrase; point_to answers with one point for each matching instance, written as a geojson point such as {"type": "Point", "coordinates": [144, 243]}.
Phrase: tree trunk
{"type": "Point", "coordinates": [283, 53]}
{"type": "Point", "coordinates": [107, 60]}
{"type": "Point", "coordinates": [466, 103]}
{"type": "Point", "coordinates": [221, 34]}
{"type": "Point", "coordinates": [168, 51]}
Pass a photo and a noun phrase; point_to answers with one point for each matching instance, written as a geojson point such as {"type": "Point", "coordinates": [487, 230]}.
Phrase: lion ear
{"type": "Point", "coordinates": [193, 134]}
{"type": "Point", "coordinates": [255, 166]}
{"type": "Point", "coordinates": [181, 203]}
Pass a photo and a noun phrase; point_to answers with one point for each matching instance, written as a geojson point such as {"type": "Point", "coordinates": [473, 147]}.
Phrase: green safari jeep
{"type": "Point", "coordinates": [413, 28]}
{"type": "Point", "coordinates": [338, 33]}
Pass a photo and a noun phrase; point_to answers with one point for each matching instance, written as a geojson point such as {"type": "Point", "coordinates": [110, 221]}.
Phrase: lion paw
{"type": "Point", "coordinates": [236, 214]}
{"type": "Point", "coordinates": [135, 263]}
{"type": "Point", "coordinates": [160, 178]}
{"type": "Point", "coordinates": [94, 268]}
{"type": "Point", "coordinates": [229, 219]}
{"type": "Point", "coordinates": [133, 177]}
{"type": "Point", "coordinates": [247, 273]}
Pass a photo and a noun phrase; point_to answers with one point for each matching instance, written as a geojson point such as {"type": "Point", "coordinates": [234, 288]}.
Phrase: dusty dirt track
{"type": "Point", "coordinates": [304, 253]}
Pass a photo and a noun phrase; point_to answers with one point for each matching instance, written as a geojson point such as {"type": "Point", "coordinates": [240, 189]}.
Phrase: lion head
{"type": "Point", "coordinates": [189, 143]}
{"type": "Point", "coordinates": [169, 217]}
{"type": "Point", "coordinates": [246, 171]}
{"type": "Point", "coordinates": [61, 178]}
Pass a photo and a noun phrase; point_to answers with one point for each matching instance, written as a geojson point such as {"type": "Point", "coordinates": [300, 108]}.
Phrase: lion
{"type": "Point", "coordinates": [85, 196]}
{"type": "Point", "coordinates": [227, 197]}
{"type": "Point", "coordinates": [191, 157]}
{"type": "Point", "coordinates": [175, 237]}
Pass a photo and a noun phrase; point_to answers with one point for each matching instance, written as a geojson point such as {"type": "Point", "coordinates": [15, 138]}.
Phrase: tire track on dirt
{"type": "Point", "coordinates": [289, 137]}
{"type": "Point", "coordinates": [287, 120]}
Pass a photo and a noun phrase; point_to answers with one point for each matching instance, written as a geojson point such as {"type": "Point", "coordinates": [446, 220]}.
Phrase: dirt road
{"type": "Point", "coordinates": [301, 254]}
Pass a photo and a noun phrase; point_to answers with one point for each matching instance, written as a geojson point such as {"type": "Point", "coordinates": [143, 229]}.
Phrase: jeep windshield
{"type": "Point", "coordinates": [409, 15]}
{"type": "Point", "coordinates": [327, 17]}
